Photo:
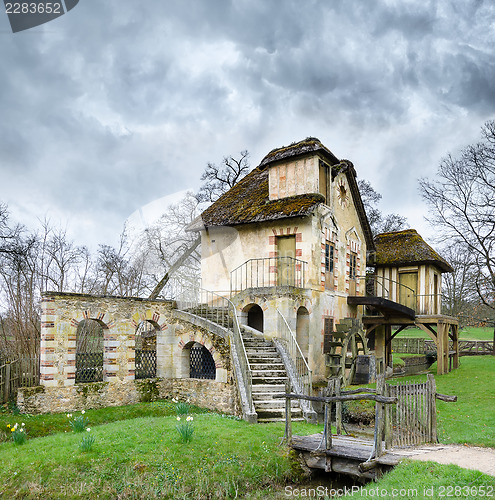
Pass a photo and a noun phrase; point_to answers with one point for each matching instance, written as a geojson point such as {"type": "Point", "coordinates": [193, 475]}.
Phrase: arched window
{"type": "Point", "coordinates": [202, 364]}
{"type": "Point", "coordinates": [89, 351]}
{"type": "Point", "coordinates": [145, 353]}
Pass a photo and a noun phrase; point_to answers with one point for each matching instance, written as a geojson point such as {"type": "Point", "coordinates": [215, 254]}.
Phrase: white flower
{"type": "Point", "coordinates": [23, 424]}
{"type": "Point", "coordinates": [174, 400]}
{"type": "Point", "coordinates": [21, 430]}
{"type": "Point", "coordinates": [69, 415]}
{"type": "Point", "coordinates": [178, 418]}
{"type": "Point", "coordinates": [83, 412]}
{"type": "Point", "coordinates": [189, 419]}
{"type": "Point", "coordinates": [88, 429]}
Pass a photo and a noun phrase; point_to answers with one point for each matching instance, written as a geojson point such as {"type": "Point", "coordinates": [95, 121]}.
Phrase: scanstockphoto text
{"type": "Point", "coordinates": [479, 491]}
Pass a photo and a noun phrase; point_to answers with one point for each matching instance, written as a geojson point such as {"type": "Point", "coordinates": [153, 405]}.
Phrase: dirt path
{"type": "Point", "coordinates": [468, 457]}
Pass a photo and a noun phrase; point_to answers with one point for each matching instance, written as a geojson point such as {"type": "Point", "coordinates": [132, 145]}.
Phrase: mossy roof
{"type": "Point", "coordinates": [248, 201]}
{"type": "Point", "coordinates": [307, 146]}
{"type": "Point", "coordinates": [402, 248]}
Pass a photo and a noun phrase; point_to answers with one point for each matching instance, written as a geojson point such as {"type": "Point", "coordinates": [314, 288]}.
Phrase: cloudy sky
{"type": "Point", "coordinates": [121, 102]}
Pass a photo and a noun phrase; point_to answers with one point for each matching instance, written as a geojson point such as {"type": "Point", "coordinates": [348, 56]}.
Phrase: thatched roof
{"type": "Point", "coordinates": [248, 201]}
{"type": "Point", "coordinates": [310, 145]}
{"type": "Point", "coordinates": [403, 248]}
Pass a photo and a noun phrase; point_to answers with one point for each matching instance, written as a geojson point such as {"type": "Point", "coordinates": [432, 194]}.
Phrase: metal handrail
{"type": "Point", "coordinates": [303, 373]}
{"type": "Point", "coordinates": [265, 272]}
{"type": "Point", "coordinates": [220, 310]}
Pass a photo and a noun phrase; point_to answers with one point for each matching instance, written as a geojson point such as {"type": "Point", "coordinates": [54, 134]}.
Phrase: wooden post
{"type": "Point", "coordinates": [338, 409]}
{"type": "Point", "coordinates": [432, 391]}
{"type": "Point", "coordinates": [380, 348]}
{"type": "Point", "coordinates": [455, 335]}
{"type": "Point", "coordinates": [328, 415]}
{"type": "Point", "coordinates": [7, 382]}
{"type": "Point", "coordinates": [388, 420]}
{"type": "Point", "coordinates": [288, 420]}
{"type": "Point", "coordinates": [380, 383]}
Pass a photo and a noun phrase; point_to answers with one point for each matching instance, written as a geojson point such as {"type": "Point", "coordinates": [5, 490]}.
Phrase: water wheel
{"type": "Point", "coordinates": [347, 343]}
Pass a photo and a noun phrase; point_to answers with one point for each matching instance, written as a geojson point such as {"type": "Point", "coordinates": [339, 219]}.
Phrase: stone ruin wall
{"type": "Point", "coordinates": [120, 317]}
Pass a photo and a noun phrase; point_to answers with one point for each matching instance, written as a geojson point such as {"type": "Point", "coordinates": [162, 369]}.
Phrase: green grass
{"type": "Point", "coordinates": [137, 452]}
{"type": "Point", "coordinates": [468, 333]}
{"type": "Point", "coordinates": [143, 458]}
{"type": "Point", "coordinates": [431, 480]}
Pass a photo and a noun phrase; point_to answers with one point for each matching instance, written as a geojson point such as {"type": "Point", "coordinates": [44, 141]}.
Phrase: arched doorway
{"type": "Point", "coordinates": [254, 316]}
{"type": "Point", "coordinates": [145, 350]}
{"type": "Point", "coordinates": [89, 351]}
{"type": "Point", "coordinates": [302, 330]}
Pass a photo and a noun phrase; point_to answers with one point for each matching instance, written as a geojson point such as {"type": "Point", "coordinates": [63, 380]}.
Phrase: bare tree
{"type": "Point", "coordinates": [379, 222]}
{"type": "Point", "coordinates": [219, 179]}
{"type": "Point", "coordinates": [462, 207]}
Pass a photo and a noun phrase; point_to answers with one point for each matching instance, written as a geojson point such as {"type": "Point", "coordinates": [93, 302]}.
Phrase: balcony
{"type": "Point", "coordinates": [268, 272]}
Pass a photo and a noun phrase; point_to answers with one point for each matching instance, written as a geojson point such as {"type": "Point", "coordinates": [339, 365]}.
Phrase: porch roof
{"type": "Point", "coordinates": [402, 248]}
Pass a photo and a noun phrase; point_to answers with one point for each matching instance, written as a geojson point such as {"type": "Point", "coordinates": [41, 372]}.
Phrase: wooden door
{"type": "Point", "coordinates": [286, 252]}
{"type": "Point", "coordinates": [408, 289]}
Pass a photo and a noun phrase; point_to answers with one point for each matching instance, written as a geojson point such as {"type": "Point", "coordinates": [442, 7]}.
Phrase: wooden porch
{"type": "Point", "coordinates": [439, 328]}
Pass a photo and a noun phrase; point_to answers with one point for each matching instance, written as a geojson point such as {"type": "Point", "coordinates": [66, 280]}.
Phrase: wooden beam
{"type": "Point", "coordinates": [333, 399]}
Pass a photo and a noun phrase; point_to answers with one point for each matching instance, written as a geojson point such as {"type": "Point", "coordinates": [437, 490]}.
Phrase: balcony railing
{"type": "Point", "coordinates": [422, 304]}
{"type": "Point", "coordinates": [268, 272]}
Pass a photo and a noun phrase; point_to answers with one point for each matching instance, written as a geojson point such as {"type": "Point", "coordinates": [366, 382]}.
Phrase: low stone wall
{"type": "Point", "coordinates": [217, 396]}
{"type": "Point", "coordinates": [204, 393]}
{"type": "Point", "coordinates": [413, 365]}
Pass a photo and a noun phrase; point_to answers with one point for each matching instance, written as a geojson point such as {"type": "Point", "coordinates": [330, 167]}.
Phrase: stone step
{"type": "Point", "coordinates": [277, 414]}
{"type": "Point", "coordinates": [272, 404]}
{"type": "Point", "coordinates": [262, 357]}
{"type": "Point", "coordinates": [269, 389]}
{"type": "Point", "coordinates": [262, 380]}
{"type": "Point", "coordinates": [278, 419]}
{"type": "Point", "coordinates": [271, 366]}
{"type": "Point", "coordinates": [269, 373]}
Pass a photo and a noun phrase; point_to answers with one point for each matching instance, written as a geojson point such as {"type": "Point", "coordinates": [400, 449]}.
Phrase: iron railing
{"type": "Point", "coordinates": [304, 375]}
{"type": "Point", "coordinates": [145, 364]}
{"type": "Point", "coordinates": [268, 272]}
{"type": "Point", "coordinates": [220, 310]}
{"type": "Point", "coordinates": [422, 304]}
{"type": "Point", "coordinates": [202, 363]}
{"type": "Point", "coordinates": [89, 367]}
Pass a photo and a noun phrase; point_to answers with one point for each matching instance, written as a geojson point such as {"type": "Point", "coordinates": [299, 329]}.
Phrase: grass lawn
{"type": "Point", "coordinates": [137, 452]}
{"type": "Point", "coordinates": [468, 333]}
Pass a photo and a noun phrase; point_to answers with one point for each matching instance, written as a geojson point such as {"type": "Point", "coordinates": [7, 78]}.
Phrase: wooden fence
{"type": "Point", "coordinates": [21, 372]}
{"type": "Point", "coordinates": [422, 346]}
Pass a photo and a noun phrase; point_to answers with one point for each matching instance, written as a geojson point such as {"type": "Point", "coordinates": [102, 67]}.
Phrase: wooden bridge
{"type": "Point", "coordinates": [405, 421]}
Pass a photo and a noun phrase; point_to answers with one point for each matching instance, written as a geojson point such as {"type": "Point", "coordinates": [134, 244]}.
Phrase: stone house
{"type": "Point", "coordinates": [288, 244]}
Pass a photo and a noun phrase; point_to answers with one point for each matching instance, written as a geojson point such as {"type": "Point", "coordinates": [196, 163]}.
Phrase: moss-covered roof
{"type": "Point", "coordinates": [248, 201]}
{"type": "Point", "coordinates": [308, 145]}
{"type": "Point", "coordinates": [406, 248]}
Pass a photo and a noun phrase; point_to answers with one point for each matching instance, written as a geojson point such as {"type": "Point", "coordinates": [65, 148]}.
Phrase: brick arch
{"type": "Point", "coordinates": [186, 340]}
{"type": "Point", "coordinates": [303, 303]}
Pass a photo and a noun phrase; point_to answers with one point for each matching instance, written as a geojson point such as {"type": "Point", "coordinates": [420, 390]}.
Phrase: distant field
{"type": "Point", "coordinates": [468, 333]}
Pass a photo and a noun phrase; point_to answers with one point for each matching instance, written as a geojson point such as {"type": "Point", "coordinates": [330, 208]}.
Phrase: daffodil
{"type": "Point", "coordinates": [178, 418]}
{"type": "Point", "coordinates": [88, 429]}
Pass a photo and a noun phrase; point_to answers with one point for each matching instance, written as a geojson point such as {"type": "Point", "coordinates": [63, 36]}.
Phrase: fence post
{"type": "Point", "coordinates": [338, 409]}
{"type": "Point", "coordinates": [288, 421]}
{"type": "Point", "coordinates": [432, 391]}
{"type": "Point", "coordinates": [379, 416]}
{"type": "Point", "coordinates": [7, 382]}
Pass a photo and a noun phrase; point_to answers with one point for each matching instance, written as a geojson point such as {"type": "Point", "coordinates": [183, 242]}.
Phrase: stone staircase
{"type": "Point", "coordinates": [268, 370]}
{"type": "Point", "coordinates": [269, 377]}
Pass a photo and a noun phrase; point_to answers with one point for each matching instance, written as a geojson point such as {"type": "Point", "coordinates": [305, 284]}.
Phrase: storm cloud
{"type": "Point", "coordinates": [118, 103]}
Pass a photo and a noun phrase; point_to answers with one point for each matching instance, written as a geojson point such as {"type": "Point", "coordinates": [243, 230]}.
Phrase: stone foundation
{"type": "Point", "coordinates": [208, 394]}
